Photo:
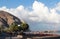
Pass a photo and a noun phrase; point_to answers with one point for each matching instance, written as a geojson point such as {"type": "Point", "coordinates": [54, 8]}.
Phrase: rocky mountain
{"type": "Point", "coordinates": [7, 19]}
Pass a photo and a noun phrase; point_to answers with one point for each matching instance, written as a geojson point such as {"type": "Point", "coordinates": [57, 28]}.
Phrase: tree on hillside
{"type": "Point", "coordinates": [17, 27]}
{"type": "Point", "coordinates": [1, 28]}
{"type": "Point", "coordinates": [24, 26]}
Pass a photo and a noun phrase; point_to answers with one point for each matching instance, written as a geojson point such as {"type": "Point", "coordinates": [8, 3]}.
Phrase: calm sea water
{"type": "Point", "coordinates": [45, 27]}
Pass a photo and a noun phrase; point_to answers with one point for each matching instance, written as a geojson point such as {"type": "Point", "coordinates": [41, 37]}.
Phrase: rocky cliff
{"type": "Point", "coordinates": [7, 19]}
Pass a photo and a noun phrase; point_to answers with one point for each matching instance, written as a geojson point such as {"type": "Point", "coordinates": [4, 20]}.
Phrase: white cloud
{"type": "Point", "coordinates": [43, 13]}
{"type": "Point", "coordinates": [40, 10]}
{"type": "Point", "coordinates": [3, 8]}
{"type": "Point", "coordinates": [39, 14]}
{"type": "Point", "coordinates": [58, 6]}
{"type": "Point", "coordinates": [20, 8]}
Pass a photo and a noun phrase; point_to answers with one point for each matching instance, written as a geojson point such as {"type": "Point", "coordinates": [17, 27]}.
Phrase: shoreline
{"type": "Point", "coordinates": [32, 35]}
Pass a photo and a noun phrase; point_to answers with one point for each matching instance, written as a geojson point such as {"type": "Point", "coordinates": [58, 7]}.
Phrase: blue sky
{"type": "Point", "coordinates": [44, 14]}
{"type": "Point", "coordinates": [26, 3]}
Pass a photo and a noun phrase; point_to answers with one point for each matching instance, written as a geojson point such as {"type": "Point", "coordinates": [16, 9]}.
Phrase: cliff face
{"type": "Point", "coordinates": [7, 19]}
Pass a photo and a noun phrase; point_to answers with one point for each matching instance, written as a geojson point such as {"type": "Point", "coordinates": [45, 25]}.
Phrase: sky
{"type": "Point", "coordinates": [39, 14]}
{"type": "Point", "coordinates": [26, 3]}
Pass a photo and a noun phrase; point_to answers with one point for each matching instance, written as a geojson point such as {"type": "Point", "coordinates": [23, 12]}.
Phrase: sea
{"type": "Point", "coordinates": [45, 27]}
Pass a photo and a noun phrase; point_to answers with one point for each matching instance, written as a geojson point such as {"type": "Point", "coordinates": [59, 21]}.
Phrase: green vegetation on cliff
{"type": "Point", "coordinates": [14, 27]}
